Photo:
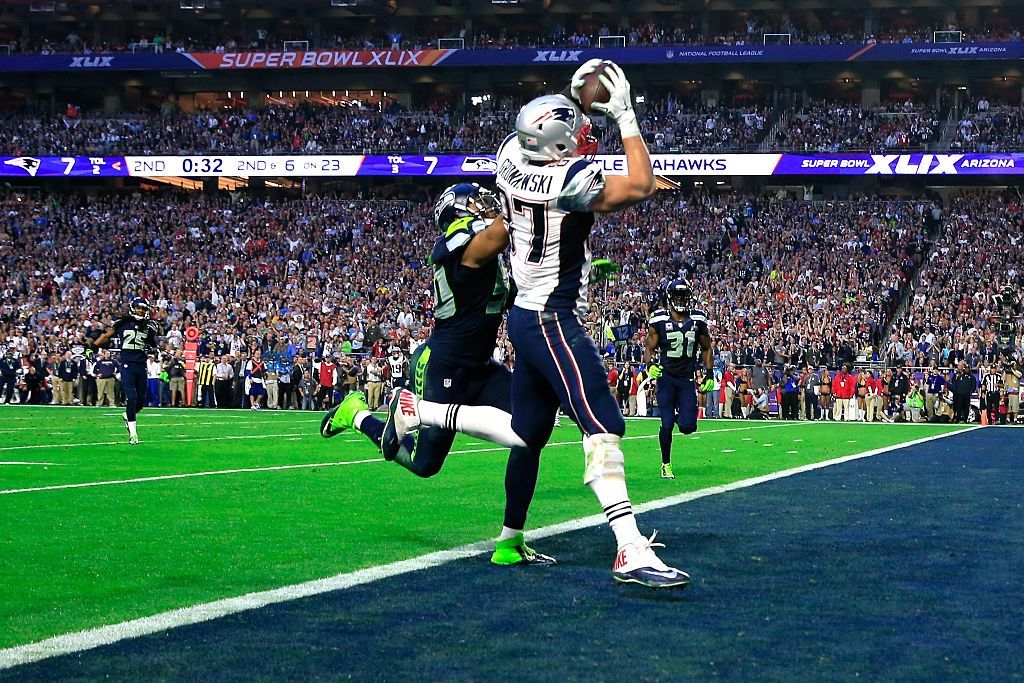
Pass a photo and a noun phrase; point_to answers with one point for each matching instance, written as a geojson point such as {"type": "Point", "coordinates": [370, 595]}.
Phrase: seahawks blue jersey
{"type": "Point", "coordinates": [468, 302]}
{"type": "Point", "coordinates": [677, 341]}
{"type": "Point", "coordinates": [134, 338]}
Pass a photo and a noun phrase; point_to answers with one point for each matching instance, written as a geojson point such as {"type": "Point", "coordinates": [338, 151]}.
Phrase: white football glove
{"type": "Point", "coordinates": [577, 81]}
{"type": "Point", "coordinates": [619, 106]}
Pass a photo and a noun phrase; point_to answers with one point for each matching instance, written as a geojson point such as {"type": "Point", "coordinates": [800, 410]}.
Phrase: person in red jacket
{"type": "Point", "coordinates": [873, 401]}
{"type": "Point", "coordinates": [843, 389]}
{"type": "Point", "coordinates": [728, 391]}
{"type": "Point", "coordinates": [613, 379]}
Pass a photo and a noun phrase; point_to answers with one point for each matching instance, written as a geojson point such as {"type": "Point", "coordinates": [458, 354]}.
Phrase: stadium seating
{"type": "Point", "coordinates": [950, 316]}
{"type": "Point", "coordinates": [820, 278]}
{"type": "Point", "coordinates": [669, 125]}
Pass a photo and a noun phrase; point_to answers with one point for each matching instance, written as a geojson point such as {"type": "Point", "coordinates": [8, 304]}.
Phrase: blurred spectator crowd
{"type": "Point", "coordinates": [670, 31]}
{"type": "Point", "coordinates": [318, 296]}
{"type": "Point", "coordinates": [669, 126]}
{"type": "Point", "coordinates": [822, 126]}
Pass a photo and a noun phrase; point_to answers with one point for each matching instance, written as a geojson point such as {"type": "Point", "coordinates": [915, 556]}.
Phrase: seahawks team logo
{"type": "Point", "coordinates": [479, 165]}
{"type": "Point", "coordinates": [28, 164]}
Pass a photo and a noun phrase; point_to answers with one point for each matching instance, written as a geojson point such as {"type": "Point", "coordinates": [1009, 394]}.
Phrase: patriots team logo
{"type": "Point", "coordinates": [28, 164]}
{"type": "Point", "coordinates": [558, 114]}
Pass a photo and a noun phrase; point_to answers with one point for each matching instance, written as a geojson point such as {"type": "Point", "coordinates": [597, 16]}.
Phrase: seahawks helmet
{"type": "Point", "coordinates": [139, 308]}
{"type": "Point", "coordinates": [553, 127]}
{"type": "Point", "coordinates": [679, 296]}
{"type": "Point", "coordinates": [465, 200]}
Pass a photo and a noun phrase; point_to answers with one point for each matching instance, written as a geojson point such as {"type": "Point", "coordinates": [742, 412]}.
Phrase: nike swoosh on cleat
{"type": "Point", "coordinates": [664, 575]}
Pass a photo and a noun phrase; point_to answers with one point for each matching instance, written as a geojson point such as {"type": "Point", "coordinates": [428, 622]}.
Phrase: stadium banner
{"type": "Point", "coordinates": [412, 165]}
{"type": "Point", "coordinates": [485, 57]}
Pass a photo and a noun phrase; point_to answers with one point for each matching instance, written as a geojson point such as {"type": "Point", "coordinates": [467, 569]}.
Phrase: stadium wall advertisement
{"type": "Point", "coordinates": [469, 58]}
{"type": "Point", "coordinates": [484, 165]}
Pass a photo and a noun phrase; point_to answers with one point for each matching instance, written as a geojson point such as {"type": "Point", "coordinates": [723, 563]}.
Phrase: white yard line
{"type": "Point", "coordinates": [186, 475]}
{"type": "Point", "coordinates": [122, 441]}
{"type": "Point", "coordinates": [106, 635]}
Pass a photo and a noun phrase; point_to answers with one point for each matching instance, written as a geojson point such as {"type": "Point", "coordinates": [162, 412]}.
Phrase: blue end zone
{"type": "Point", "coordinates": [905, 566]}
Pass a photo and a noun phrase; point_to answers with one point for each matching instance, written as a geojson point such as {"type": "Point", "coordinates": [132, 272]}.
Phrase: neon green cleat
{"type": "Point", "coordinates": [514, 551]}
{"type": "Point", "coordinates": [666, 471]}
{"type": "Point", "coordinates": [342, 416]}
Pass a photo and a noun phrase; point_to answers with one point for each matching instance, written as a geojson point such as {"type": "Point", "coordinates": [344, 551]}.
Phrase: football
{"type": "Point", "coordinates": [592, 90]}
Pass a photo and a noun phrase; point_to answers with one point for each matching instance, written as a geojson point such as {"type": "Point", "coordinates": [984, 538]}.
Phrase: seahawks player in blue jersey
{"type": "Point", "coordinates": [470, 289]}
{"type": "Point", "coordinates": [136, 334]}
{"type": "Point", "coordinates": [680, 334]}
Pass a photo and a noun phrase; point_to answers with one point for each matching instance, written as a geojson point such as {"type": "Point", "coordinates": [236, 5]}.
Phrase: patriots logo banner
{"type": "Point", "coordinates": [28, 164]}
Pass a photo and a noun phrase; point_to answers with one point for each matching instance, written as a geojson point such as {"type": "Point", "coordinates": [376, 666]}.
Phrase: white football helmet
{"type": "Point", "coordinates": [553, 127]}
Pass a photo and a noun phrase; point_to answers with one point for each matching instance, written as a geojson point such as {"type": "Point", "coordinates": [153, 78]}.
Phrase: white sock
{"type": "Point", "coordinates": [483, 422]}
{"type": "Point", "coordinates": [357, 421]}
{"type": "Point", "coordinates": [507, 533]}
{"type": "Point", "coordinates": [131, 430]}
{"type": "Point", "coordinates": [614, 499]}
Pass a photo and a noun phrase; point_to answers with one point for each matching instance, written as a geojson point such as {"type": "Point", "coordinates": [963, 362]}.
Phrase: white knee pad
{"type": "Point", "coordinates": [602, 454]}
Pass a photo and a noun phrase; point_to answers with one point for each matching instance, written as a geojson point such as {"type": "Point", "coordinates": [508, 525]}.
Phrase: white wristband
{"type": "Point", "coordinates": [629, 127]}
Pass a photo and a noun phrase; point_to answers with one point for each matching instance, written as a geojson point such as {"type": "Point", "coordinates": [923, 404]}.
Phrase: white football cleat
{"type": "Point", "coordinates": [403, 417]}
{"type": "Point", "coordinates": [637, 563]}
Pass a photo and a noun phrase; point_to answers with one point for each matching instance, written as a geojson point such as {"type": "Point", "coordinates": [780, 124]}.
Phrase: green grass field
{"type": "Point", "coordinates": [75, 557]}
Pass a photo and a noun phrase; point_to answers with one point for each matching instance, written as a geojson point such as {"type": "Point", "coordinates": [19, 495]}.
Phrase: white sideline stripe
{"type": "Point", "coordinates": [181, 438]}
{"type": "Point", "coordinates": [106, 635]}
{"type": "Point", "coordinates": [12, 462]}
{"type": "Point", "coordinates": [186, 475]}
{"type": "Point", "coordinates": [164, 477]}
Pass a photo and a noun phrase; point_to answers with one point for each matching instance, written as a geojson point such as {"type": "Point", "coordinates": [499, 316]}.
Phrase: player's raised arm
{"type": "Point", "coordinates": [486, 244]}
{"type": "Point", "coordinates": [621, 192]}
{"type": "Point", "coordinates": [103, 338]}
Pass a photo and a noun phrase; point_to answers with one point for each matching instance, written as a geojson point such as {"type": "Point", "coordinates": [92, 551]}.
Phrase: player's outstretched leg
{"type": "Point", "coordinates": [555, 351]}
{"type": "Point", "coordinates": [407, 413]}
{"type": "Point", "coordinates": [520, 482]}
{"type": "Point", "coordinates": [667, 396]}
{"type": "Point", "coordinates": [342, 416]}
{"type": "Point", "coordinates": [353, 413]}
{"type": "Point", "coordinates": [665, 441]}
{"type": "Point", "coordinates": [135, 384]}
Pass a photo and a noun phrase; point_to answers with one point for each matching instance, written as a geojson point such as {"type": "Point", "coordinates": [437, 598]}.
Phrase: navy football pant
{"type": "Point", "coordinates": [134, 383]}
{"type": "Point", "coordinates": [677, 401]}
{"type": "Point", "coordinates": [424, 453]}
{"type": "Point", "coordinates": [557, 363]}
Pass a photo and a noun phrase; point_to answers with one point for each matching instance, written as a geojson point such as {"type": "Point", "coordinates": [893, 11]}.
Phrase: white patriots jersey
{"type": "Point", "coordinates": [397, 364]}
{"type": "Point", "coordinates": [546, 207]}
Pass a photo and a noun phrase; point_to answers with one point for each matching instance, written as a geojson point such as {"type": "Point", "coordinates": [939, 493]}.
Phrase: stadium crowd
{"type": "Point", "coordinates": [310, 128]}
{"type": "Point", "coordinates": [751, 29]}
{"type": "Point", "coordinates": [950, 317]}
{"type": "Point", "coordinates": [320, 294]}
{"type": "Point", "coordinates": [990, 128]}
{"type": "Point", "coordinates": [822, 126]}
